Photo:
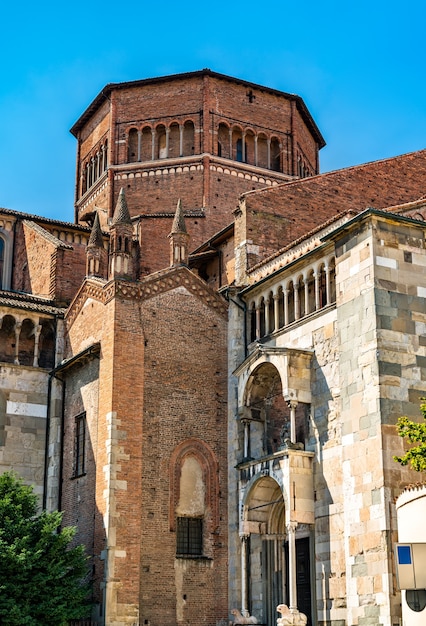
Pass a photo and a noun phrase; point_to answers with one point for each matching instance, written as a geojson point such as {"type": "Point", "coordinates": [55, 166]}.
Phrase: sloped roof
{"type": "Point", "coordinates": [300, 206]}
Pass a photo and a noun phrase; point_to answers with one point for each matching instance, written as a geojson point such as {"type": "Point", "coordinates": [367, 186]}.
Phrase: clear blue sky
{"type": "Point", "coordinates": [359, 66]}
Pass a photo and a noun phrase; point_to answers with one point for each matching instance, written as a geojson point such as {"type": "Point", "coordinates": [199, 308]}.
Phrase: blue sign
{"type": "Point", "coordinates": [404, 555]}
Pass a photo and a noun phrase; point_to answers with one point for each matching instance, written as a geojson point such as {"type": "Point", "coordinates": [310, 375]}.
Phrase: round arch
{"type": "Point", "coordinates": [263, 505]}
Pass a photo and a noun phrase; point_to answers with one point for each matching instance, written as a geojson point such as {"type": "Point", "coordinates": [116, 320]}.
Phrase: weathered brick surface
{"type": "Point", "coordinates": [208, 102]}
{"type": "Point", "coordinates": [49, 259]}
{"type": "Point", "coordinates": [162, 378]}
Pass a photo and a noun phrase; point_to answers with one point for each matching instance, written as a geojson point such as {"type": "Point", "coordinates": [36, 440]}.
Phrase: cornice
{"type": "Point", "coordinates": [268, 351]}
{"type": "Point", "coordinates": [153, 285]}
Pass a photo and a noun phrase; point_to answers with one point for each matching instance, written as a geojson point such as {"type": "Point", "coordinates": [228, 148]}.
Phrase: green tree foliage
{"type": "Point", "coordinates": [414, 433]}
{"type": "Point", "coordinates": [41, 576]}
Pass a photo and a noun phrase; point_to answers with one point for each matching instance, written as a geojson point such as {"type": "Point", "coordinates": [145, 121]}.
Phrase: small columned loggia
{"type": "Point", "coordinates": [27, 340]}
{"type": "Point", "coordinates": [292, 299]}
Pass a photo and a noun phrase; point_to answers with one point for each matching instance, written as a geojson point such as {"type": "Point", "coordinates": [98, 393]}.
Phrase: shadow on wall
{"type": "Point", "coordinates": [79, 478]}
{"type": "Point", "coordinates": [324, 429]}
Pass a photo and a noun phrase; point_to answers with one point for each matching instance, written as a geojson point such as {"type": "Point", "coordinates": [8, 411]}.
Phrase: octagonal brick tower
{"type": "Point", "coordinates": [202, 137]}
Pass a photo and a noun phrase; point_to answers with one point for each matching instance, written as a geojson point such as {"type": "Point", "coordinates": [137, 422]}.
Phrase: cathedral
{"type": "Point", "coordinates": [204, 370]}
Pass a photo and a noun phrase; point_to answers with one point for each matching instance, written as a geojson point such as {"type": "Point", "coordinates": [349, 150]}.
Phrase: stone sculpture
{"type": "Point", "coordinates": [241, 619]}
{"type": "Point", "coordinates": [290, 617]}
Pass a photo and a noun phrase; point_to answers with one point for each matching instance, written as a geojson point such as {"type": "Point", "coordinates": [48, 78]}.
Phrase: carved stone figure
{"type": "Point", "coordinates": [290, 617]}
{"type": "Point", "coordinates": [240, 619]}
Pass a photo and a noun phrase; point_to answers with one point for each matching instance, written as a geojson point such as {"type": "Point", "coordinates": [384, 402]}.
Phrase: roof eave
{"type": "Point", "coordinates": [106, 91]}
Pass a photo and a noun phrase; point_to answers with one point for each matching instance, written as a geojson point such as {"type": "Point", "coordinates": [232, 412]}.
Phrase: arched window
{"type": "Point", "coordinates": [275, 155]}
{"type": "Point", "coordinates": [174, 141]}
{"type": "Point", "coordinates": [146, 147]}
{"type": "Point", "coordinates": [241, 151]}
{"type": "Point", "coordinates": [270, 305]}
{"type": "Point", "coordinates": [223, 141]}
{"type": "Point", "coordinates": [291, 307]}
{"type": "Point", "coordinates": [7, 339]}
{"type": "Point", "coordinates": [262, 150]}
{"type": "Point", "coordinates": [262, 318]}
{"type": "Point", "coordinates": [46, 357]}
{"type": "Point", "coordinates": [311, 292]}
{"type": "Point", "coordinates": [250, 148]}
{"type": "Point", "coordinates": [300, 299]}
{"type": "Point", "coordinates": [26, 343]}
{"type": "Point", "coordinates": [105, 156]}
{"type": "Point", "coordinates": [6, 242]}
{"type": "Point", "coordinates": [281, 316]}
{"type": "Point", "coordinates": [188, 139]}
{"type": "Point", "coordinates": [132, 148]}
{"type": "Point", "coordinates": [252, 322]}
{"type": "Point", "coordinates": [194, 492]}
{"type": "Point", "coordinates": [322, 284]}
{"type": "Point", "coordinates": [190, 509]}
{"type": "Point", "coordinates": [332, 279]}
{"type": "Point", "coordinates": [161, 142]}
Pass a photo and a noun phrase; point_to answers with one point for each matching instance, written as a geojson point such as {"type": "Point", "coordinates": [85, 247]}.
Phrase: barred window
{"type": "Point", "coordinates": [79, 444]}
{"type": "Point", "coordinates": [189, 536]}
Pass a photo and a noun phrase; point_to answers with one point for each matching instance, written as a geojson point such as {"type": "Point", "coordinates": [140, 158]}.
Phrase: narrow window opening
{"type": "Point", "coordinates": [189, 536]}
{"type": "Point", "coordinates": [79, 445]}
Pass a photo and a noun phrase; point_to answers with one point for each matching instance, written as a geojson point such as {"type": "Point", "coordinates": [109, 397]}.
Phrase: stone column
{"type": "Point", "coordinates": [296, 301]}
{"type": "Point", "coordinates": [180, 139]}
{"type": "Point", "coordinates": [167, 141]}
{"type": "Point", "coordinates": [291, 533]}
{"type": "Point", "coordinates": [292, 404]}
{"type": "Point", "coordinates": [139, 144]}
{"type": "Point", "coordinates": [244, 575]}
{"type": "Point", "coordinates": [305, 281]}
{"type": "Point", "coordinates": [255, 150]}
{"type": "Point", "coordinates": [37, 331]}
{"type": "Point", "coordinates": [246, 424]}
{"type": "Point", "coordinates": [317, 295]}
{"type": "Point", "coordinates": [18, 326]}
{"type": "Point", "coordinates": [257, 322]}
{"type": "Point", "coordinates": [153, 144]}
{"type": "Point", "coordinates": [276, 311]}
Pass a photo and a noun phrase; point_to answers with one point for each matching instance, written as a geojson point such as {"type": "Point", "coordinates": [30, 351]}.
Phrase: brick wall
{"type": "Point", "coordinates": [185, 398]}
{"type": "Point", "coordinates": [45, 265]}
{"type": "Point", "coordinates": [157, 354]}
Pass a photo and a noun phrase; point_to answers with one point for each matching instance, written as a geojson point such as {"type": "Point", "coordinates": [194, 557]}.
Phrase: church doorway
{"type": "Point", "coordinates": [267, 555]}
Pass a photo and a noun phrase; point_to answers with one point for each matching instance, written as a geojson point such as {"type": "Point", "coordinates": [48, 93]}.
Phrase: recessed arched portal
{"type": "Point", "coordinates": [264, 523]}
{"type": "Point", "coordinates": [265, 556]}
